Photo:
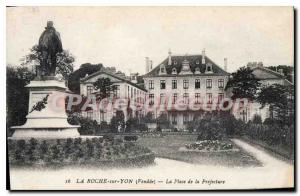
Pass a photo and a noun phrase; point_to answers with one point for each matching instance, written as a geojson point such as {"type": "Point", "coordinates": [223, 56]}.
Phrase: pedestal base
{"type": "Point", "coordinates": [45, 133]}
{"type": "Point", "coordinates": [50, 121]}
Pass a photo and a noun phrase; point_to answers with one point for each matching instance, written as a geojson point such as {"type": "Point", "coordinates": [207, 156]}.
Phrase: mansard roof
{"type": "Point", "coordinates": [194, 62]}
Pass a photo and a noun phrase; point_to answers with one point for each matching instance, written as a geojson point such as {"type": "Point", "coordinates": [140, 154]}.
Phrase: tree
{"type": "Point", "coordinates": [163, 121]}
{"type": "Point", "coordinates": [17, 95]}
{"type": "Point", "coordinates": [148, 118]}
{"type": "Point", "coordinates": [64, 61]}
{"type": "Point", "coordinates": [104, 87]}
{"type": "Point", "coordinates": [132, 124]}
{"type": "Point", "coordinates": [280, 99]}
{"type": "Point", "coordinates": [85, 69]}
{"type": "Point", "coordinates": [243, 84]}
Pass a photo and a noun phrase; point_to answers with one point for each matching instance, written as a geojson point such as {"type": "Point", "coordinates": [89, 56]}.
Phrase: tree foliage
{"type": "Point", "coordinates": [243, 84]}
{"type": "Point", "coordinates": [17, 95]}
{"type": "Point", "coordinates": [280, 98]}
{"type": "Point", "coordinates": [84, 69]}
{"type": "Point", "coordinates": [104, 88]}
{"type": "Point", "coordinates": [64, 61]}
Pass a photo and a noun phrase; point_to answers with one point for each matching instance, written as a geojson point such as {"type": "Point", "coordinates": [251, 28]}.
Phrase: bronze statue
{"type": "Point", "coordinates": [49, 45]}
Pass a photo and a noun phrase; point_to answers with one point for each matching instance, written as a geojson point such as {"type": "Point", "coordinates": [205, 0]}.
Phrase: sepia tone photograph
{"type": "Point", "coordinates": [150, 98]}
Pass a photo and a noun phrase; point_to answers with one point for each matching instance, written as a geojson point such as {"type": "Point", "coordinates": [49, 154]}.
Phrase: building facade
{"type": "Point", "coordinates": [182, 81]}
{"type": "Point", "coordinates": [126, 90]}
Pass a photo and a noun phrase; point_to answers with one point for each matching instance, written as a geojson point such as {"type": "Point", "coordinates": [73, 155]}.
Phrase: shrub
{"type": "Point", "coordinates": [103, 127]}
{"type": "Point", "coordinates": [257, 119]}
{"type": "Point", "coordinates": [87, 126]}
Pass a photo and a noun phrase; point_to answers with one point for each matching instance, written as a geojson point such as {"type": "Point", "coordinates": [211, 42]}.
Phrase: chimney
{"type": "Point", "coordinates": [150, 65]}
{"type": "Point", "coordinates": [225, 64]}
{"type": "Point", "coordinates": [170, 59]}
{"type": "Point", "coordinates": [147, 65]}
{"type": "Point", "coordinates": [260, 64]}
{"type": "Point", "coordinates": [203, 56]}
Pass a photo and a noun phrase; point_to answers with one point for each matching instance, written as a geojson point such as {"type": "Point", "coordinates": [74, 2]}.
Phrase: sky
{"type": "Point", "coordinates": [124, 36]}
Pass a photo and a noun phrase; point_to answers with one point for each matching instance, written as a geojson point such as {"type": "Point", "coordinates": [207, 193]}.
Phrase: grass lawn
{"type": "Point", "coordinates": [168, 147]}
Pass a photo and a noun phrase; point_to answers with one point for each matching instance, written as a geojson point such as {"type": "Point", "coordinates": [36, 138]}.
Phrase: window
{"type": "Point", "coordinates": [185, 84]}
{"type": "Point", "coordinates": [89, 90]}
{"type": "Point", "coordinates": [151, 98]}
{"type": "Point", "coordinates": [221, 83]}
{"type": "Point", "coordinates": [101, 116]}
{"type": "Point", "coordinates": [116, 91]}
{"type": "Point", "coordinates": [208, 83]}
{"type": "Point", "coordinates": [162, 84]}
{"type": "Point", "coordinates": [151, 84]}
{"type": "Point", "coordinates": [174, 98]}
{"type": "Point", "coordinates": [134, 94]}
{"type": "Point", "coordinates": [162, 99]}
{"type": "Point", "coordinates": [89, 114]}
{"type": "Point", "coordinates": [174, 119]}
{"type": "Point", "coordinates": [128, 92]}
{"type": "Point", "coordinates": [174, 84]}
{"type": "Point", "coordinates": [197, 83]}
{"type": "Point", "coordinates": [220, 97]}
{"type": "Point", "coordinates": [197, 62]}
{"type": "Point", "coordinates": [131, 93]}
{"type": "Point", "coordinates": [175, 62]}
{"type": "Point", "coordinates": [197, 97]}
{"type": "Point", "coordinates": [185, 118]}
{"type": "Point", "coordinates": [209, 98]}
{"type": "Point", "coordinates": [186, 98]}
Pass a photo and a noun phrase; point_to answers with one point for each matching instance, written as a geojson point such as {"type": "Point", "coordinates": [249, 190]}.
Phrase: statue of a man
{"type": "Point", "coordinates": [49, 45]}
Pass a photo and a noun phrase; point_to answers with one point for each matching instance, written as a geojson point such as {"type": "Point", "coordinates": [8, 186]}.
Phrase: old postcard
{"type": "Point", "coordinates": [150, 98]}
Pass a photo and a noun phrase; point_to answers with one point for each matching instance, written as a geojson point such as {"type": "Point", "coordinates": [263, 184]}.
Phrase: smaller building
{"type": "Point", "coordinates": [267, 77]}
{"type": "Point", "coordinates": [125, 89]}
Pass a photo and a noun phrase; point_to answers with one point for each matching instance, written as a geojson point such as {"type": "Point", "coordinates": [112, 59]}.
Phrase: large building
{"type": "Point", "coordinates": [182, 79]}
{"type": "Point", "coordinates": [124, 88]}
{"type": "Point", "coordinates": [266, 77]}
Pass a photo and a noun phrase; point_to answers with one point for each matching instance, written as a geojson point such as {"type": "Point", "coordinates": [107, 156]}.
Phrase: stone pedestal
{"type": "Point", "coordinates": [51, 121]}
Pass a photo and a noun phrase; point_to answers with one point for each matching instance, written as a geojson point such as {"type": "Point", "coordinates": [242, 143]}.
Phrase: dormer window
{"type": "Point", "coordinates": [209, 68]}
{"type": "Point", "coordinates": [186, 69]}
{"type": "Point", "coordinates": [197, 70]}
{"type": "Point", "coordinates": [162, 69]}
{"type": "Point", "coordinates": [174, 71]}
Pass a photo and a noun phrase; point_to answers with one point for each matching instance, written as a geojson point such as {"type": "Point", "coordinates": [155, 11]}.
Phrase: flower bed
{"type": "Point", "coordinates": [209, 146]}
{"type": "Point", "coordinates": [62, 152]}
